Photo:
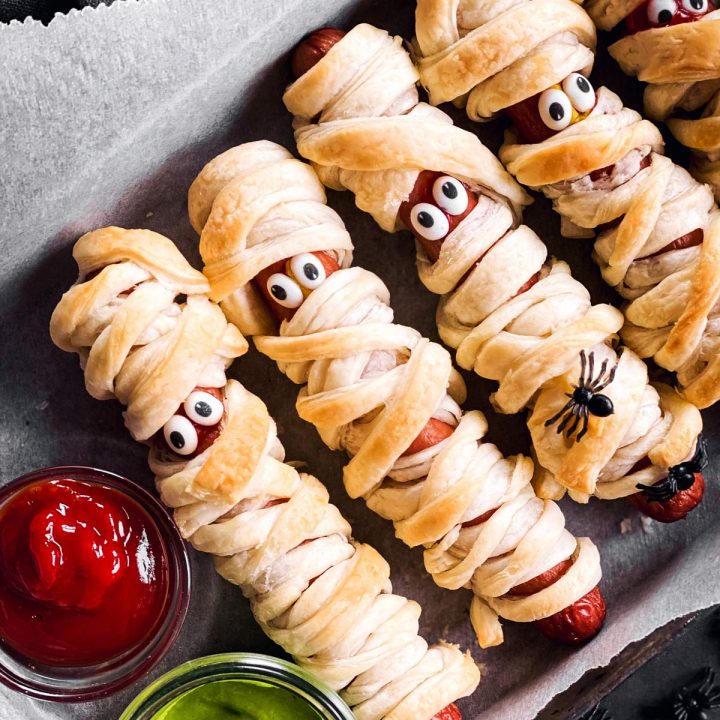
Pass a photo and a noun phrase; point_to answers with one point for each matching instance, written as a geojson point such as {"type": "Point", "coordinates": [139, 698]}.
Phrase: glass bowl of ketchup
{"type": "Point", "coordinates": [237, 685]}
{"type": "Point", "coordinates": [94, 583]}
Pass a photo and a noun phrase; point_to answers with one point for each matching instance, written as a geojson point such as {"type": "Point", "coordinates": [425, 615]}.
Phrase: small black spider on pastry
{"type": "Point", "coordinates": [586, 399]}
{"type": "Point", "coordinates": [680, 477]}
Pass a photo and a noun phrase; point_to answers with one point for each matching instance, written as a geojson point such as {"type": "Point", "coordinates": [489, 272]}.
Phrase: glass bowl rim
{"type": "Point", "coordinates": [262, 666]}
{"type": "Point", "coordinates": [151, 652]}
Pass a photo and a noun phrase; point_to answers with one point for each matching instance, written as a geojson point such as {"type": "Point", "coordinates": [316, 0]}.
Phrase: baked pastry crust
{"type": "Point", "coordinates": [672, 298]}
{"type": "Point", "coordinates": [528, 342]}
{"type": "Point", "coordinates": [671, 313]}
{"type": "Point", "coordinates": [370, 387]}
{"type": "Point", "coordinates": [323, 597]}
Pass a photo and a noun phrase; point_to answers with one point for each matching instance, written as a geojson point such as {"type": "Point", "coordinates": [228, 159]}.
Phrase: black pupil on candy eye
{"type": "Point", "coordinates": [557, 111]}
{"type": "Point", "coordinates": [449, 190]}
{"type": "Point", "coordinates": [696, 4]}
{"type": "Point", "coordinates": [665, 16]}
{"type": "Point", "coordinates": [425, 219]}
{"type": "Point", "coordinates": [311, 272]}
{"type": "Point", "coordinates": [177, 439]}
{"type": "Point", "coordinates": [278, 292]}
{"type": "Point", "coordinates": [583, 85]}
{"type": "Point", "coordinates": [203, 408]}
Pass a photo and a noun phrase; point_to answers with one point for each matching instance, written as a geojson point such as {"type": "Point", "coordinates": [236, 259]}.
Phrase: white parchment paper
{"type": "Point", "coordinates": [105, 117]}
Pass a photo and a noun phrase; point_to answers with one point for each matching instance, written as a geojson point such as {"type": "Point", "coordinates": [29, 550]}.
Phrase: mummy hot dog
{"type": "Point", "coordinates": [218, 463]}
{"type": "Point", "coordinates": [657, 240]}
{"type": "Point", "coordinates": [515, 315]}
{"type": "Point", "coordinates": [674, 46]}
{"type": "Point", "coordinates": [389, 398]}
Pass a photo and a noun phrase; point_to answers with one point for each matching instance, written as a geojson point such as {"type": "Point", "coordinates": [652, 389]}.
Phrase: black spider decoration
{"type": "Point", "coordinates": [680, 477]}
{"type": "Point", "coordinates": [585, 399]}
{"type": "Point", "coordinates": [597, 713]}
{"type": "Point", "coordinates": [692, 702]}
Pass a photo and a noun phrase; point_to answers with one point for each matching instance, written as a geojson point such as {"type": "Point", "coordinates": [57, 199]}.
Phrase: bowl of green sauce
{"type": "Point", "coordinates": [237, 686]}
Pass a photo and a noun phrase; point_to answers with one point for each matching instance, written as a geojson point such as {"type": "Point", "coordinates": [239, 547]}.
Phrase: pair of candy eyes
{"type": "Point", "coordinates": [201, 408]}
{"type": "Point", "coordinates": [308, 272]}
{"type": "Point", "coordinates": [661, 12]}
{"type": "Point", "coordinates": [556, 106]}
{"type": "Point", "coordinates": [428, 220]}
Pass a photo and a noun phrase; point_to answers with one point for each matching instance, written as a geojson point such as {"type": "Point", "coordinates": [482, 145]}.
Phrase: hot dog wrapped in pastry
{"type": "Point", "coordinates": [514, 314]}
{"type": "Point", "coordinates": [674, 47]}
{"type": "Point", "coordinates": [657, 237]}
{"type": "Point", "coordinates": [389, 398]}
{"type": "Point", "coordinates": [324, 598]}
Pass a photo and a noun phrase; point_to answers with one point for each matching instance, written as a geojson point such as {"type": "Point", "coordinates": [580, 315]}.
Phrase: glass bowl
{"type": "Point", "coordinates": [249, 667]}
{"type": "Point", "coordinates": [74, 683]}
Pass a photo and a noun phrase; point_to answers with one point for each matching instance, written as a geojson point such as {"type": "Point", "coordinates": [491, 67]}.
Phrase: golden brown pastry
{"type": "Point", "coordinates": [514, 315]}
{"type": "Point", "coordinates": [599, 162]}
{"type": "Point", "coordinates": [674, 46]}
{"type": "Point", "coordinates": [324, 598]}
{"type": "Point", "coordinates": [388, 397]}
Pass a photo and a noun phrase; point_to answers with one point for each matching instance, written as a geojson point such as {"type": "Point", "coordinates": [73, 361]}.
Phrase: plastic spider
{"type": "Point", "coordinates": [585, 399]}
{"type": "Point", "coordinates": [597, 713]}
{"type": "Point", "coordinates": [693, 702]}
{"type": "Point", "coordinates": [680, 477]}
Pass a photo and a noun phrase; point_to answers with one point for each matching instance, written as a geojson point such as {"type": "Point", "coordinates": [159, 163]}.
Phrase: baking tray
{"type": "Point", "coordinates": [106, 116]}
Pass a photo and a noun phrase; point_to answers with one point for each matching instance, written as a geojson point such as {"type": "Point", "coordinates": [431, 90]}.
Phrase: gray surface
{"type": "Point", "coordinates": [105, 117]}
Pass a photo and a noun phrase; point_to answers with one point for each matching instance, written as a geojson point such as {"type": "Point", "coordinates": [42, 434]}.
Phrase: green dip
{"type": "Point", "coordinates": [237, 700]}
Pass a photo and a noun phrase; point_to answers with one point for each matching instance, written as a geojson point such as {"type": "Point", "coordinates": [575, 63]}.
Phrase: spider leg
{"type": "Point", "coordinates": [707, 681]}
{"type": "Point", "coordinates": [571, 430]}
{"type": "Point", "coordinates": [568, 418]}
{"type": "Point", "coordinates": [679, 710]}
{"type": "Point", "coordinates": [611, 375]}
{"type": "Point", "coordinates": [560, 413]}
{"type": "Point", "coordinates": [586, 420]}
{"type": "Point", "coordinates": [700, 458]}
{"type": "Point", "coordinates": [595, 384]}
{"type": "Point", "coordinates": [583, 360]}
{"type": "Point", "coordinates": [591, 367]}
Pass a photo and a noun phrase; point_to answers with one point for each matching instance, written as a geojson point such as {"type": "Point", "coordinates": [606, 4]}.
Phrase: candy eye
{"type": "Point", "coordinates": [696, 7]}
{"type": "Point", "coordinates": [429, 221]}
{"type": "Point", "coordinates": [450, 194]}
{"type": "Point", "coordinates": [308, 270]}
{"type": "Point", "coordinates": [204, 408]}
{"type": "Point", "coordinates": [580, 91]}
{"type": "Point", "coordinates": [555, 109]}
{"type": "Point", "coordinates": [180, 435]}
{"type": "Point", "coordinates": [285, 291]}
{"type": "Point", "coordinates": [661, 12]}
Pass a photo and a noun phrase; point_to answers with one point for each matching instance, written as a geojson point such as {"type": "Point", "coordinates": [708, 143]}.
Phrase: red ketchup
{"type": "Point", "coordinates": [449, 712]}
{"type": "Point", "coordinates": [84, 575]}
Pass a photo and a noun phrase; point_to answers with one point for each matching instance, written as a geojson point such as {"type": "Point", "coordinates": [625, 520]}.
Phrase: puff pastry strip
{"type": "Point", "coordinates": [323, 597]}
{"type": "Point", "coordinates": [603, 173]}
{"type": "Point", "coordinates": [371, 388]}
{"type": "Point", "coordinates": [528, 341]}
